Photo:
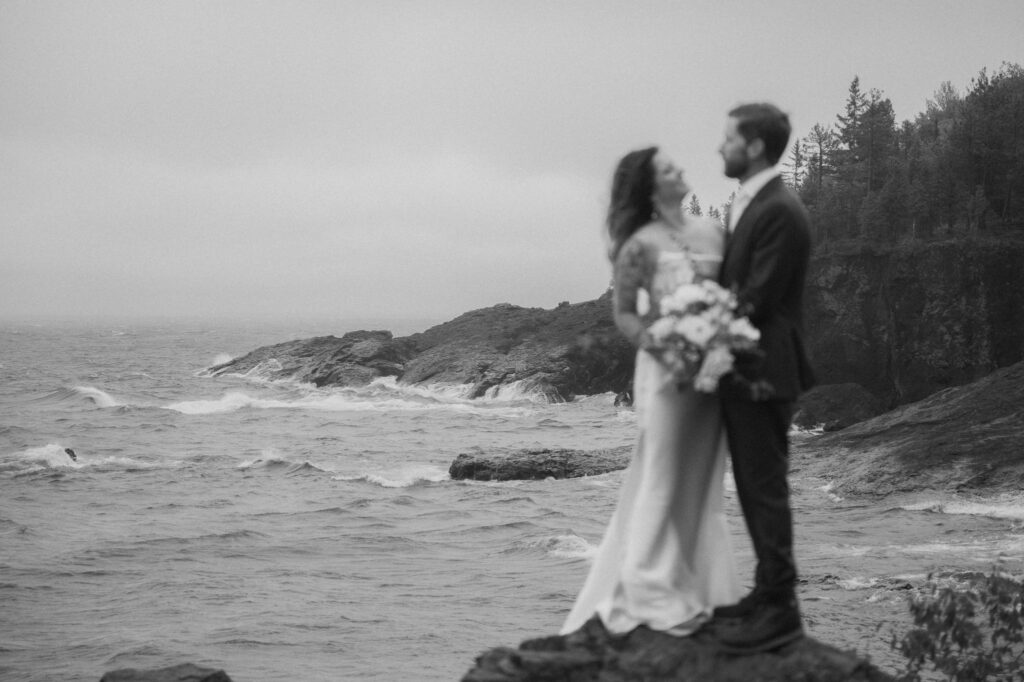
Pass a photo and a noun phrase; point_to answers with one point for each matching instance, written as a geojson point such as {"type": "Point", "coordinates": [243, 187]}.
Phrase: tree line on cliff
{"type": "Point", "coordinates": [956, 170]}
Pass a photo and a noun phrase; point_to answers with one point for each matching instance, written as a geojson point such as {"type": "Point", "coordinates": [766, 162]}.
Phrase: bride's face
{"type": "Point", "coordinates": [669, 184]}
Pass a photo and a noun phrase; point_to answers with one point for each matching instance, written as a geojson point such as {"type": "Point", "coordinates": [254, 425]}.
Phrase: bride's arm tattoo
{"type": "Point", "coordinates": [631, 273]}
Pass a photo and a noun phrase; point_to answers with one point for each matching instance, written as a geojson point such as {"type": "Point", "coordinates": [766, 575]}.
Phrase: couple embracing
{"type": "Point", "coordinates": [666, 560]}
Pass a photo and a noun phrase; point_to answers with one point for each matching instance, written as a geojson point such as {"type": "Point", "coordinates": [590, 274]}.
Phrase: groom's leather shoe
{"type": "Point", "coordinates": [741, 609]}
{"type": "Point", "coordinates": [771, 626]}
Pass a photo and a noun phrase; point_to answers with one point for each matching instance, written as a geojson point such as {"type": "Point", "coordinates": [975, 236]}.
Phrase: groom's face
{"type": "Point", "coordinates": [734, 150]}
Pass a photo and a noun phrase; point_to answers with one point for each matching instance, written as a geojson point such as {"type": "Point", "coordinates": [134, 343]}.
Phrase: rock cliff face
{"type": "Point", "coordinates": [907, 322]}
{"type": "Point", "coordinates": [567, 351]}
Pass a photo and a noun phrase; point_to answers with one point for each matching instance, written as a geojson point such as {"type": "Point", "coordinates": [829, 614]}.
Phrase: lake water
{"type": "Point", "coordinates": [282, 532]}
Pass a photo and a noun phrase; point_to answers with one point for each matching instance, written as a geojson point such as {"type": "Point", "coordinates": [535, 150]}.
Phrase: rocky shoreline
{"type": "Point", "coordinates": [960, 439]}
{"type": "Point", "coordinates": [884, 327]}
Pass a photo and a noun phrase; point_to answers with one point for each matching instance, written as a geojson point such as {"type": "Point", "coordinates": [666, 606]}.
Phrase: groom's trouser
{"type": "Point", "coordinates": [759, 443]}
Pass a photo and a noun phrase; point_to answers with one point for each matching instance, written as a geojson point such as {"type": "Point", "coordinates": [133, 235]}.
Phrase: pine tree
{"type": "Point", "coordinates": [694, 206]}
{"type": "Point", "coordinates": [794, 170]}
{"type": "Point", "coordinates": [850, 123]}
{"type": "Point", "coordinates": [878, 132]}
{"type": "Point", "coordinates": [820, 147]}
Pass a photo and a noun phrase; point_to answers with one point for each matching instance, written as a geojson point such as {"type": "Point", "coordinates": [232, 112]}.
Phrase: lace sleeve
{"type": "Point", "coordinates": [631, 273]}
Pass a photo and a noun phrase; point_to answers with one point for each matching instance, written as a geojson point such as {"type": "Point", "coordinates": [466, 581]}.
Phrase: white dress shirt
{"type": "Point", "coordinates": [747, 191]}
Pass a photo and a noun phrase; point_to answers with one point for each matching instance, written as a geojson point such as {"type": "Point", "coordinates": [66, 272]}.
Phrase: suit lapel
{"type": "Point", "coordinates": [739, 237]}
{"type": "Point", "coordinates": [753, 209]}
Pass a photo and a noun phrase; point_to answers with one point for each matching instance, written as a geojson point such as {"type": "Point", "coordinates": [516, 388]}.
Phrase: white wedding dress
{"type": "Point", "coordinates": [666, 559]}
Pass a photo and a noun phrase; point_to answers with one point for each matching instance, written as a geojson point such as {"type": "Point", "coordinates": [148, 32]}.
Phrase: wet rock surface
{"type": "Point", "coordinates": [185, 672]}
{"type": "Point", "coordinates": [538, 464]}
{"type": "Point", "coordinates": [591, 654]}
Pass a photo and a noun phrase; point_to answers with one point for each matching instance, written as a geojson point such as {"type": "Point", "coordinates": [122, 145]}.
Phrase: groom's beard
{"type": "Point", "coordinates": [735, 168]}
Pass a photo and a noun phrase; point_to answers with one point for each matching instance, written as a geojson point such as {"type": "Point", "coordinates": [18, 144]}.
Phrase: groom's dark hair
{"type": "Point", "coordinates": [766, 122]}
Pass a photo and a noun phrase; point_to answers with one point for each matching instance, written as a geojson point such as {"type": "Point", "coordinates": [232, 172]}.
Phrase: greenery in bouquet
{"type": "Point", "coordinates": [700, 333]}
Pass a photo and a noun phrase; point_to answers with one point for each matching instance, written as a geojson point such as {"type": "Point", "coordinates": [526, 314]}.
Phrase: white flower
{"type": "Point", "coordinates": [718, 294]}
{"type": "Point", "coordinates": [742, 328]}
{"type": "Point", "coordinates": [680, 300]}
{"type": "Point", "coordinates": [717, 362]}
{"type": "Point", "coordinates": [696, 330]}
{"type": "Point", "coordinates": [662, 328]}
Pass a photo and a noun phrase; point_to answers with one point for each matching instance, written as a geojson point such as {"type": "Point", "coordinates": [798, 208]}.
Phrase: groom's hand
{"type": "Point", "coordinates": [748, 363]}
{"type": "Point", "coordinates": [761, 390]}
{"type": "Point", "coordinates": [735, 385]}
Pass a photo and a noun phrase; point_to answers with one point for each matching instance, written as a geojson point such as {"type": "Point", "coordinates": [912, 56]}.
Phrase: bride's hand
{"type": "Point", "coordinates": [662, 353]}
{"type": "Point", "coordinates": [648, 343]}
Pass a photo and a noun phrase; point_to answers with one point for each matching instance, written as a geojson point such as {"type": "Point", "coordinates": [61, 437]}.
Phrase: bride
{"type": "Point", "coordinates": [666, 558]}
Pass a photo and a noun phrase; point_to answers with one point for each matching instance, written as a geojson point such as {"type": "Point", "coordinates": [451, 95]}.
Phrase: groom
{"type": "Point", "coordinates": [765, 262]}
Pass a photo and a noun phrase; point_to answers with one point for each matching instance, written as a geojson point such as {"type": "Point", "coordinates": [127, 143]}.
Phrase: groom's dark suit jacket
{"type": "Point", "coordinates": [766, 260]}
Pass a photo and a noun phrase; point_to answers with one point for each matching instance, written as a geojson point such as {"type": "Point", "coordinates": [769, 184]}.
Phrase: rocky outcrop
{"type": "Point", "coordinates": [570, 350]}
{"type": "Point", "coordinates": [644, 655]}
{"type": "Point", "coordinates": [959, 439]}
{"type": "Point", "coordinates": [356, 359]}
{"type": "Point", "coordinates": [185, 672]}
{"type": "Point", "coordinates": [524, 465]}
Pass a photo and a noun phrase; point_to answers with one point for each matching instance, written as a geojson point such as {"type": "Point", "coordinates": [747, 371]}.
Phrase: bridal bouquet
{"type": "Point", "coordinates": [699, 330]}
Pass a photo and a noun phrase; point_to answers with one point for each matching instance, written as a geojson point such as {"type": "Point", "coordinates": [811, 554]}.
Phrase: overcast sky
{"type": "Point", "coordinates": [376, 158]}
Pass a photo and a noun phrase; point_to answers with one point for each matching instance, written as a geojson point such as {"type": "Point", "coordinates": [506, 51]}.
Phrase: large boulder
{"type": "Point", "coordinates": [591, 655]}
{"type": "Point", "coordinates": [185, 672]}
{"type": "Point", "coordinates": [538, 464]}
{"type": "Point", "coordinates": [836, 406]}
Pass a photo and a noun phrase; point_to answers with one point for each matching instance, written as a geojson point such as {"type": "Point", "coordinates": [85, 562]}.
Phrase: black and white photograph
{"type": "Point", "coordinates": [511, 340]}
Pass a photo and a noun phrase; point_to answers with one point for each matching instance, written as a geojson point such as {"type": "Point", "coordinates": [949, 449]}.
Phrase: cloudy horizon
{"type": "Point", "coordinates": [344, 160]}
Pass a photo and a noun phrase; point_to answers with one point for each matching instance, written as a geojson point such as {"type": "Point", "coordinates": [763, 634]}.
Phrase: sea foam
{"type": "Point", "coordinates": [1004, 507]}
{"type": "Point", "coordinates": [404, 477]}
{"type": "Point", "coordinates": [49, 456]}
{"type": "Point", "coordinates": [54, 457]}
{"type": "Point", "coordinates": [89, 394]}
{"type": "Point", "coordinates": [570, 547]}
{"type": "Point", "coordinates": [378, 396]}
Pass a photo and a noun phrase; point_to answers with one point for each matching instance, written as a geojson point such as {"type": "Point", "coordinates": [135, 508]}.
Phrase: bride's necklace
{"type": "Point", "coordinates": [674, 229]}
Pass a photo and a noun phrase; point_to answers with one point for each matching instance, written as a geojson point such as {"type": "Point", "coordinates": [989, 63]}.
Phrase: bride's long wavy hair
{"type": "Point", "coordinates": [631, 205]}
